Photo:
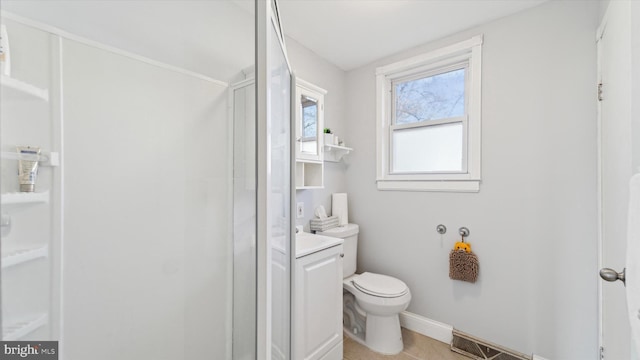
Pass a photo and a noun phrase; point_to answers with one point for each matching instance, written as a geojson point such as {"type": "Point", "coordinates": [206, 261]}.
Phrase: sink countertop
{"type": "Point", "coordinates": [307, 243]}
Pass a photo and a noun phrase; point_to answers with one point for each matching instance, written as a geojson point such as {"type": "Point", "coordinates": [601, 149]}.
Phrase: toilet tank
{"type": "Point", "coordinates": [349, 233]}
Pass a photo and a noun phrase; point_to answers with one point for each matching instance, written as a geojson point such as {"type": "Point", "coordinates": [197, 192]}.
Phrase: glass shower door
{"type": "Point", "coordinates": [274, 186]}
{"type": "Point", "coordinates": [280, 198]}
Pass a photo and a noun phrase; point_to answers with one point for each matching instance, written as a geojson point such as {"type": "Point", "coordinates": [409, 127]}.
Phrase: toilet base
{"type": "Point", "coordinates": [383, 334]}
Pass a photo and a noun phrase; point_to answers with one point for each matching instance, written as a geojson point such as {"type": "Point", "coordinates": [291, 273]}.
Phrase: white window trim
{"type": "Point", "coordinates": [468, 181]}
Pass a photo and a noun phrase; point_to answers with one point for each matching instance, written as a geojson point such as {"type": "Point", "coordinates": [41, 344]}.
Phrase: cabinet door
{"type": "Point", "coordinates": [309, 121]}
{"type": "Point", "coordinates": [318, 303]}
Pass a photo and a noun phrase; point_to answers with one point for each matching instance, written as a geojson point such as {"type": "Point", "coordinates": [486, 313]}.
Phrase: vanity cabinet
{"type": "Point", "coordinates": [317, 305]}
{"type": "Point", "coordinates": [309, 144]}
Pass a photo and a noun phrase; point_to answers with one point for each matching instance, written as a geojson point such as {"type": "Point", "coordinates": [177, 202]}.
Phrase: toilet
{"type": "Point", "coordinates": [373, 318]}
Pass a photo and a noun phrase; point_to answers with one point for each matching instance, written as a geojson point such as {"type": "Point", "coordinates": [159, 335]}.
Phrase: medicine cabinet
{"type": "Point", "coordinates": [309, 135]}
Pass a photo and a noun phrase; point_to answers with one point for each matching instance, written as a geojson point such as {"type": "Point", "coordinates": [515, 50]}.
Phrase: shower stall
{"type": "Point", "coordinates": [160, 223]}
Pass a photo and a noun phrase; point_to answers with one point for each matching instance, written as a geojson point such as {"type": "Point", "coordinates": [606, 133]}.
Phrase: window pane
{"type": "Point", "coordinates": [430, 98]}
{"type": "Point", "coordinates": [428, 149]}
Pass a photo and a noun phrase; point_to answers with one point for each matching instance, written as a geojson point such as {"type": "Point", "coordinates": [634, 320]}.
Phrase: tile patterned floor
{"type": "Point", "coordinates": [416, 347]}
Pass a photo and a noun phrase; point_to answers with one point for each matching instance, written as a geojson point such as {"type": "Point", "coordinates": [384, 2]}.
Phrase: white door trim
{"type": "Point", "coordinates": [599, 34]}
{"type": "Point", "coordinates": [614, 163]}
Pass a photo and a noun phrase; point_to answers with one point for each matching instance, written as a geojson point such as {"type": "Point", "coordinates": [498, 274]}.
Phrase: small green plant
{"type": "Point", "coordinates": [327, 131]}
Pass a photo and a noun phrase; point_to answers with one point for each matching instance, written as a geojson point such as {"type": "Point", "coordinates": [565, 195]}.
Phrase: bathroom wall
{"type": "Point", "coordinates": [635, 81]}
{"type": "Point", "coordinates": [602, 8]}
{"type": "Point", "coordinates": [316, 70]}
{"type": "Point", "coordinates": [533, 223]}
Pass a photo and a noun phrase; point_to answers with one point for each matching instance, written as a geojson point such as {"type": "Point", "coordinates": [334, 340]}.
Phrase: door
{"type": "Point", "coordinates": [616, 147]}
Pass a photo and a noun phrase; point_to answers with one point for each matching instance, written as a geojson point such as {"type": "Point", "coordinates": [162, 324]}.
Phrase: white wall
{"type": "Point", "coordinates": [603, 5]}
{"type": "Point", "coordinates": [635, 83]}
{"type": "Point", "coordinates": [146, 247]}
{"type": "Point", "coordinates": [635, 110]}
{"type": "Point", "coordinates": [318, 71]}
{"type": "Point", "coordinates": [533, 223]}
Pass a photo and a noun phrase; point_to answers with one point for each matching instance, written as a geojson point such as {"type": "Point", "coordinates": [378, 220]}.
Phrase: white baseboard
{"type": "Point", "coordinates": [427, 327]}
{"type": "Point", "coordinates": [433, 329]}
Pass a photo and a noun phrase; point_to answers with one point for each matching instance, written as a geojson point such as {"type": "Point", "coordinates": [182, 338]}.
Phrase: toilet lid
{"type": "Point", "coordinates": [380, 285]}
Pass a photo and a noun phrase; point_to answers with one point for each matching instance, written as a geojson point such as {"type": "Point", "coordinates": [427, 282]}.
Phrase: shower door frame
{"type": "Point", "coordinates": [267, 17]}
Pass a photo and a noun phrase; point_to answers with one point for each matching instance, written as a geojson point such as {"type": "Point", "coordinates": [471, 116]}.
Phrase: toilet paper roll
{"type": "Point", "coordinates": [340, 208]}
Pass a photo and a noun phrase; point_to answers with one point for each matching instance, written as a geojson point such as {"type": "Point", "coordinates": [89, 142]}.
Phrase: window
{"type": "Point", "coordinates": [429, 120]}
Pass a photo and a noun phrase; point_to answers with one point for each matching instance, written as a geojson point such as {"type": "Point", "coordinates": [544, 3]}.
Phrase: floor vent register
{"type": "Point", "coordinates": [479, 349]}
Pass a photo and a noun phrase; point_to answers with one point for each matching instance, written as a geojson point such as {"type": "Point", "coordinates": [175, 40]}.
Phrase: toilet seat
{"type": "Point", "coordinates": [380, 285]}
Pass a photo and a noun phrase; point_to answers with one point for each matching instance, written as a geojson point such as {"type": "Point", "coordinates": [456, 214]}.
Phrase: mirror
{"type": "Point", "coordinates": [309, 121]}
{"type": "Point", "coordinates": [310, 131]}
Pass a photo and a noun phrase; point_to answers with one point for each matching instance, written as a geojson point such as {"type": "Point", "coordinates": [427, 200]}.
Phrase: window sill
{"type": "Point", "coordinates": [437, 186]}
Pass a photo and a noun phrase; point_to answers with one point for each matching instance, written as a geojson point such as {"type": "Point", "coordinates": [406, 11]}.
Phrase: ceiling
{"type": "Point", "coordinates": [216, 37]}
{"type": "Point", "coordinates": [353, 33]}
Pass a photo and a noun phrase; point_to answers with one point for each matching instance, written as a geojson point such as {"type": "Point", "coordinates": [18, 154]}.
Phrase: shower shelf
{"type": "Point", "coordinates": [45, 159]}
{"type": "Point", "coordinates": [23, 255]}
{"type": "Point", "coordinates": [14, 89]}
{"type": "Point", "coordinates": [23, 198]}
{"type": "Point", "coordinates": [18, 330]}
{"type": "Point", "coordinates": [334, 153]}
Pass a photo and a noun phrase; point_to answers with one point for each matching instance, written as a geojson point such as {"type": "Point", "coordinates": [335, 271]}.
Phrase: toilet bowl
{"type": "Point", "coordinates": [379, 298]}
{"type": "Point", "coordinates": [382, 306]}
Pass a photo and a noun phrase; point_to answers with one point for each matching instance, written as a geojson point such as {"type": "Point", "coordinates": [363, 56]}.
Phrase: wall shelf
{"type": "Point", "coordinates": [18, 330]}
{"type": "Point", "coordinates": [14, 89]}
{"type": "Point", "coordinates": [309, 175]}
{"type": "Point", "coordinates": [334, 153]}
{"type": "Point", "coordinates": [31, 116]}
{"type": "Point", "coordinates": [22, 255]}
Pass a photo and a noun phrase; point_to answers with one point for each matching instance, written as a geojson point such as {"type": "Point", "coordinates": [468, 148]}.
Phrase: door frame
{"type": "Point", "coordinates": [608, 19]}
{"type": "Point", "coordinates": [600, 244]}
{"type": "Point", "coordinates": [266, 12]}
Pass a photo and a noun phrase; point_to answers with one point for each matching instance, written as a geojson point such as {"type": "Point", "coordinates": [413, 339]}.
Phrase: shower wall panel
{"type": "Point", "coordinates": [146, 255]}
